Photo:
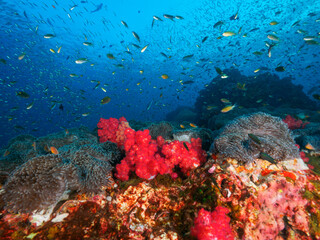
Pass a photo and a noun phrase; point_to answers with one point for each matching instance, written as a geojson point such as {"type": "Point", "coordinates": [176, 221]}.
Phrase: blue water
{"type": "Point", "coordinates": [45, 76]}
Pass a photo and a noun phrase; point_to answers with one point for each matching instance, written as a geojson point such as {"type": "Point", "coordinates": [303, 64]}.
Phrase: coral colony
{"type": "Point", "coordinates": [160, 183]}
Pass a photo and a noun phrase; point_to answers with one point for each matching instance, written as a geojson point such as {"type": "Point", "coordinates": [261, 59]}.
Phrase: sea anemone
{"type": "Point", "coordinates": [38, 184]}
{"type": "Point", "coordinates": [274, 139]}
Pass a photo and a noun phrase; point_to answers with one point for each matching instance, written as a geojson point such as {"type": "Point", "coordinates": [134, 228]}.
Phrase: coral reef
{"type": "Point", "coordinates": [258, 200]}
{"type": "Point", "coordinates": [273, 134]}
{"type": "Point", "coordinates": [262, 90]}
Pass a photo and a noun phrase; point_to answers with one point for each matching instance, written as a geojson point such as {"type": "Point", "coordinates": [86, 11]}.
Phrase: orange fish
{"type": "Point", "coordinates": [182, 126]}
{"type": "Point", "coordinates": [309, 147]}
{"type": "Point", "coordinates": [67, 131]}
{"type": "Point", "coordinates": [54, 150]}
{"type": "Point", "coordinates": [164, 76]}
{"type": "Point", "coordinates": [193, 125]}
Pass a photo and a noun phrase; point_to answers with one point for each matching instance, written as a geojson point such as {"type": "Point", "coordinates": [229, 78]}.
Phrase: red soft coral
{"type": "Point", "coordinates": [294, 123]}
{"type": "Point", "coordinates": [147, 157]}
{"type": "Point", "coordinates": [213, 225]}
{"type": "Point", "coordinates": [112, 130]}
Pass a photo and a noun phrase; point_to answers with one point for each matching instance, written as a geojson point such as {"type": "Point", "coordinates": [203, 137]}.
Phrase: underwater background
{"type": "Point", "coordinates": [185, 50]}
{"type": "Point", "coordinates": [160, 120]}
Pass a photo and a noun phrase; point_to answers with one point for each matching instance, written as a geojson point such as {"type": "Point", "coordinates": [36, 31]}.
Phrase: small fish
{"type": "Point", "coordinates": [273, 37]}
{"type": "Point", "coordinates": [309, 38]}
{"type": "Point", "coordinates": [179, 17]}
{"type": "Point", "coordinates": [51, 50]}
{"type": "Point", "coordinates": [98, 8]}
{"type": "Point", "coordinates": [218, 70]}
{"type": "Point", "coordinates": [235, 16]}
{"type": "Point", "coordinates": [241, 86]}
{"type": "Point", "coordinates": [224, 100]}
{"type": "Point", "coordinates": [310, 147]}
{"type": "Point", "coordinates": [164, 76]}
{"type": "Point", "coordinates": [273, 23]}
{"type": "Point", "coordinates": [73, 7]}
{"type": "Point", "coordinates": [34, 145]}
{"type": "Point", "coordinates": [73, 75]}
{"type": "Point", "coordinates": [54, 150]}
{"type": "Point", "coordinates": [81, 60]}
{"type": "Point", "coordinates": [21, 56]}
{"type": "Point", "coordinates": [254, 138]}
{"type": "Point", "coordinates": [59, 49]}
{"type": "Point", "coordinates": [6, 153]}
{"type": "Point", "coordinates": [268, 158]}
{"type": "Point", "coordinates": [149, 105]}
{"type": "Point", "coordinates": [257, 53]}
{"type": "Point", "coordinates": [110, 56]}
{"type": "Point", "coordinates": [210, 107]}
{"type": "Point", "coordinates": [49, 35]}
{"type": "Point", "coordinates": [87, 44]}
{"type": "Point", "coordinates": [204, 39]}
{"type": "Point", "coordinates": [136, 36]}
{"type": "Point", "coordinates": [135, 45]}
{"type": "Point", "coordinates": [280, 69]}
{"type": "Point", "coordinates": [218, 24]}
{"type": "Point", "coordinates": [269, 50]}
{"type": "Point", "coordinates": [228, 34]}
{"type": "Point", "coordinates": [30, 105]}
{"type": "Point", "coordinates": [105, 100]}
{"type": "Point", "coordinates": [187, 57]}
{"type": "Point", "coordinates": [182, 126]}
{"type": "Point", "coordinates": [157, 18]}
{"type": "Point", "coordinates": [124, 24]}
{"type": "Point", "coordinates": [3, 61]}
{"type": "Point", "coordinates": [163, 54]}
{"type": "Point", "coordinates": [185, 145]}
{"type": "Point", "coordinates": [85, 114]}
{"type": "Point", "coordinates": [228, 108]}
{"type": "Point", "coordinates": [22, 94]}
{"type": "Point", "coordinates": [168, 16]}
{"type": "Point", "coordinates": [144, 48]}
{"type": "Point", "coordinates": [193, 125]}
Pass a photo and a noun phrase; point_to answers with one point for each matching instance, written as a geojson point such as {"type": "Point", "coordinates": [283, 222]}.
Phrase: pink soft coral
{"type": "Point", "coordinates": [213, 225]}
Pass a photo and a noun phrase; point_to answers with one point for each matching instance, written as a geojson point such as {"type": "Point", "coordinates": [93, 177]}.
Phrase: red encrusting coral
{"type": "Point", "coordinates": [112, 130]}
{"type": "Point", "coordinates": [147, 157]}
{"type": "Point", "coordinates": [294, 123]}
{"type": "Point", "coordinates": [213, 225]}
